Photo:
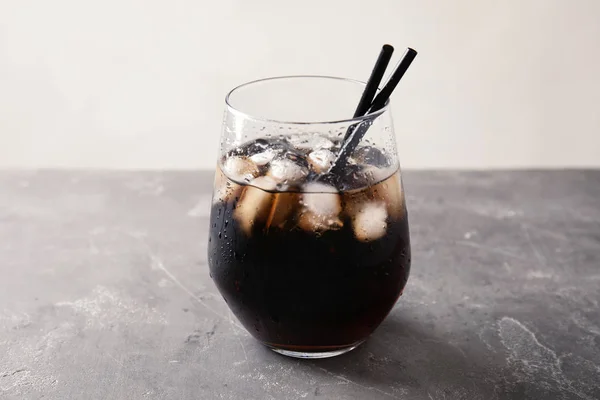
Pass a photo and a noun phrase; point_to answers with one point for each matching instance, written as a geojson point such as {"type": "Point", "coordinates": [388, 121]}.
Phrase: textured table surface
{"type": "Point", "coordinates": [105, 294]}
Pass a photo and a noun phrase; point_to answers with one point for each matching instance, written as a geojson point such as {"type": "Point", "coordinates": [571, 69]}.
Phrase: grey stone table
{"type": "Point", "coordinates": [105, 294]}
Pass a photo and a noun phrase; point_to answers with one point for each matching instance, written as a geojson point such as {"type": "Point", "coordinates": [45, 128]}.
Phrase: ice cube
{"type": "Point", "coordinates": [321, 198]}
{"type": "Point", "coordinates": [353, 177]}
{"type": "Point", "coordinates": [391, 191]}
{"type": "Point", "coordinates": [387, 190]}
{"type": "Point", "coordinates": [240, 169]}
{"type": "Point", "coordinates": [321, 160]}
{"type": "Point", "coordinates": [266, 183]}
{"type": "Point", "coordinates": [369, 155]}
{"type": "Point", "coordinates": [224, 189]}
{"type": "Point", "coordinates": [282, 208]}
{"type": "Point", "coordinates": [376, 174]}
{"type": "Point", "coordinates": [288, 170]}
{"type": "Point", "coordinates": [264, 157]}
{"type": "Point", "coordinates": [259, 206]}
{"type": "Point", "coordinates": [310, 141]}
{"type": "Point", "coordinates": [255, 146]}
{"type": "Point", "coordinates": [370, 221]}
{"type": "Point", "coordinates": [316, 223]}
{"type": "Point", "coordinates": [254, 203]}
{"type": "Point", "coordinates": [322, 207]}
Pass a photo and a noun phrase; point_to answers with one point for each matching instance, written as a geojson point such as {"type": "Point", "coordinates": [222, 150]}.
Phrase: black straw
{"type": "Point", "coordinates": [372, 85]}
{"type": "Point", "coordinates": [374, 80]}
{"type": "Point", "coordinates": [383, 96]}
{"type": "Point", "coordinates": [356, 132]}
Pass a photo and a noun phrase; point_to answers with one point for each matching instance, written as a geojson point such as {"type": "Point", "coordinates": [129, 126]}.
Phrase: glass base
{"type": "Point", "coordinates": [311, 355]}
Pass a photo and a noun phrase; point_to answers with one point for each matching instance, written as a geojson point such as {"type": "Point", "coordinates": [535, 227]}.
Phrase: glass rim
{"type": "Point", "coordinates": [238, 112]}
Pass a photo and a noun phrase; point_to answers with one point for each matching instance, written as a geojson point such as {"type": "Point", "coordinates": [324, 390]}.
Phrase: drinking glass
{"type": "Point", "coordinates": [310, 261]}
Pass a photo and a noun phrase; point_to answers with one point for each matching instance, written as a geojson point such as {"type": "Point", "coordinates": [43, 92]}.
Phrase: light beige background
{"type": "Point", "coordinates": [140, 83]}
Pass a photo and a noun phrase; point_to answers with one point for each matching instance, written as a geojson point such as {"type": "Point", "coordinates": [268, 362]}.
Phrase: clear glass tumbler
{"type": "Point", "coordinates": [308, 257]}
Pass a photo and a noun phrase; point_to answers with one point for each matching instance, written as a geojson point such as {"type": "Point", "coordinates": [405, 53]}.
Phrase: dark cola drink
{"type": "Point", "coordinates": [308, 262]}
